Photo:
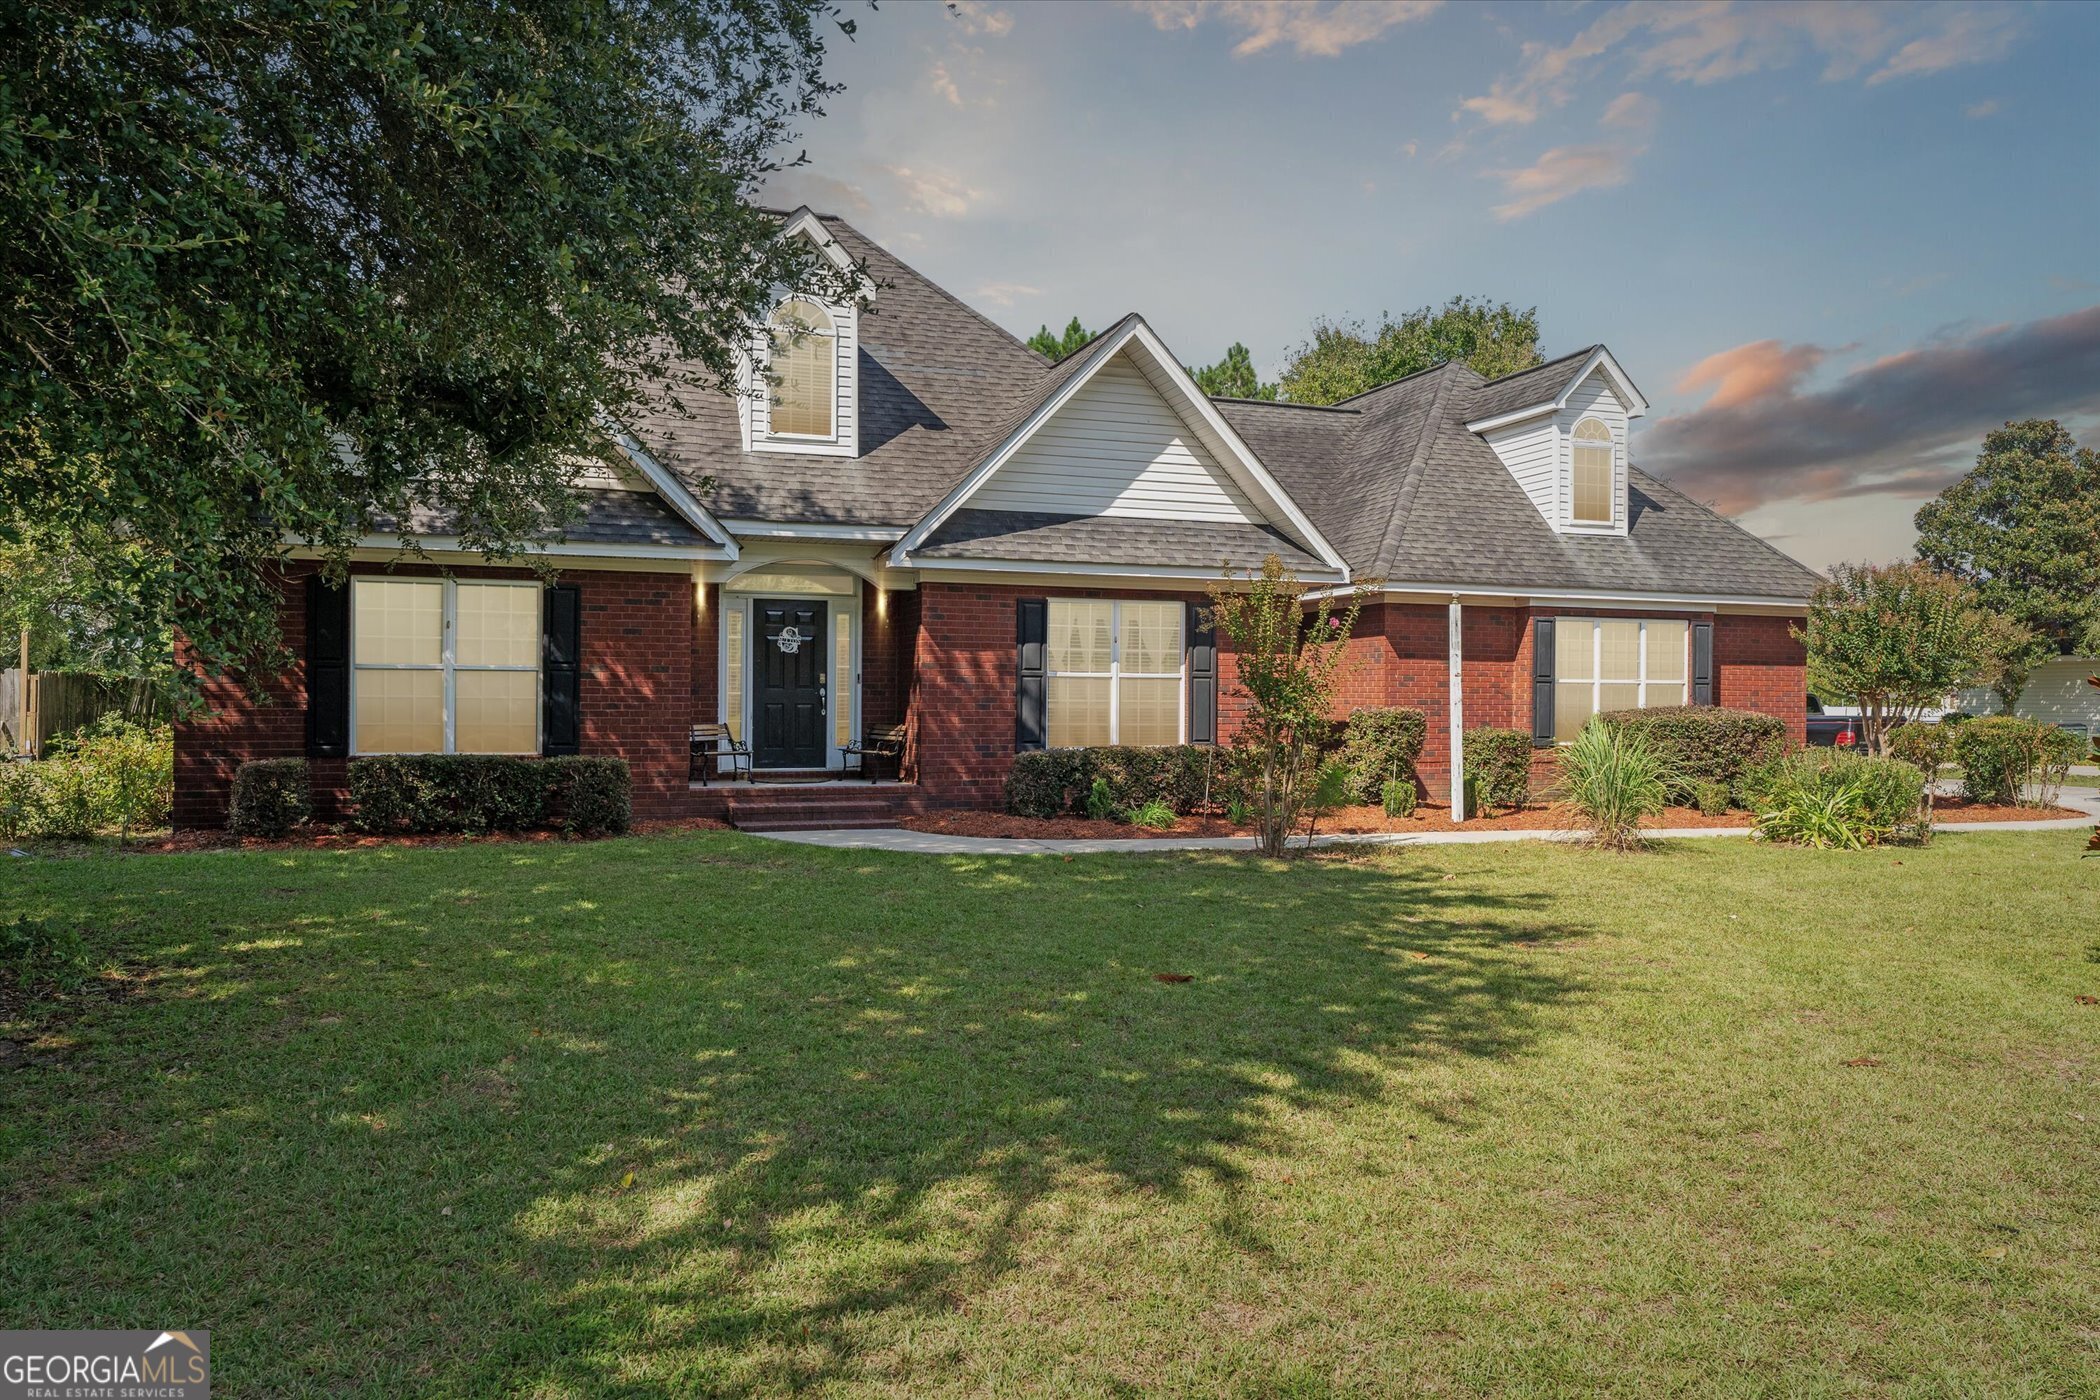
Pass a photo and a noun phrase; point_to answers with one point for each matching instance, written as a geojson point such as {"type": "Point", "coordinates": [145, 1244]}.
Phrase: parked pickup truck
{"type": "Point", "coordinates": [1833, 731]}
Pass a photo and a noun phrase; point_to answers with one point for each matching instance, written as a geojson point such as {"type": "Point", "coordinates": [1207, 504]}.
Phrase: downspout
{"type": "Point", "coordinates": [1457, 718]}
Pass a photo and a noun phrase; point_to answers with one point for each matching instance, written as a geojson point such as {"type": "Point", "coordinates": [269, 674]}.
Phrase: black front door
{"type": "Point", "coordinates": [789, 667]}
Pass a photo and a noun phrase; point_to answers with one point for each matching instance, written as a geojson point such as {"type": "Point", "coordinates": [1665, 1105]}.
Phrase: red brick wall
{"type": "Point", "coordinates": [637, 694]}
{"type": "Point", "coordinates": [1759, 666]}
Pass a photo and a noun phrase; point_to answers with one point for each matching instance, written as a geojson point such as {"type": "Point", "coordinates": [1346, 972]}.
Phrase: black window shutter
{"type": "Point", "coordinates": [561, 670]}
{"type": "Point", "coordinates": [1203, 675]}
{"type": "Point", "coordinates": [1032, 638]}
{"type": "Point", "coordinates": [327, 668]}
{"type": "Point", "coordinates": [1702, 663]}
{"type": "Point", "coordinates": [1542, 683]}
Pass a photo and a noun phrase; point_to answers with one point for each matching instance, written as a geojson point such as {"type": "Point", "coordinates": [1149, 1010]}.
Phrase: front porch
{"type": "Point", "coordinates": [817, 804]}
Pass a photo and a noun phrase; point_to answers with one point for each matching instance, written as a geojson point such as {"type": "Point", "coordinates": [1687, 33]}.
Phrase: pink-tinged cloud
{"type": "Point", "coordinates": [1906, 425]}
{"type": "Point", "coordinates": [1751, 371]}
{"type": "Point", "coordinates": [1560, 172]}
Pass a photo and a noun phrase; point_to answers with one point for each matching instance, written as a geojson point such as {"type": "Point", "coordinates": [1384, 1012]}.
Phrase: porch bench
{"type": "Point", "coordinates": [883, 743]}
{"type": "Point", "coordinates": [710, 742]}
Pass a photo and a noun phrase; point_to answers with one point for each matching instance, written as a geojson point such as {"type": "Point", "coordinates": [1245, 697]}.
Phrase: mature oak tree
{"type": "Point", "coordinates": [270, 269]}
{"type": "Point", "coordinates": [2023, 528]}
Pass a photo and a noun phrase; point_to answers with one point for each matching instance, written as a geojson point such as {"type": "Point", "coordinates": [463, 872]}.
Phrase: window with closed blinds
{"type": "Point", "coordinates": [805, 371]}
{"type": "Point", "coordinates": [1115, 673]}
{"type": "Point", "coordinates": [733, 669]}
{"type": "Point", "coordinates": [1606, 664]}
{"type": "Point", "coordinates": [1591, 503]}
{"type": "Point", "coordinates": [438, 666]}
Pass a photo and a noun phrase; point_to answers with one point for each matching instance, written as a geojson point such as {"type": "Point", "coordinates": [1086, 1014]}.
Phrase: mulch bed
{"type": "Point", "coordinates": [1359, 821]}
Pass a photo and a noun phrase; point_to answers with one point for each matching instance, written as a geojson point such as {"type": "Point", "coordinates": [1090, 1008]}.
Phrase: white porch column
{"type": "Point", "coordinates": [1457, 719]}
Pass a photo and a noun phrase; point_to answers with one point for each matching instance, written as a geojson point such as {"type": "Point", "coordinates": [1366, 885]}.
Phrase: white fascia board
{"type": "Point", "coordinates": [805, 223]}
{"type": "Point", "coordinates": [1600, 358]}
{"type": "Point", "coordinates": [1207, 573]}
{"type": "Point", "coordinates": [1240, 459]}
{"type": "Point", "coordinates": [1483, 593]}
{"type": "Point", "coordinates": [673, 491]}
{"type": "Point", "coordinates": [795, 530]}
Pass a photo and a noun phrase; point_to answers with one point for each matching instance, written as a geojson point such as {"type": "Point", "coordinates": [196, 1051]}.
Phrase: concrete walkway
{"type": "Point", "coordinates": [928, 843]}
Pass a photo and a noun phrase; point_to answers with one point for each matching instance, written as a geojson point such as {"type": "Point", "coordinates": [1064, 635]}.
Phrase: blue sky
{"type": "Point", "coordinates": [1832, 243]}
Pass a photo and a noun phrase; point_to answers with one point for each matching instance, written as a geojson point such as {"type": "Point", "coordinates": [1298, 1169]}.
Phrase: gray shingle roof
{"type": "Point", "coordinates": [1527, 388]}
{"type": "Point", "coordinates": [936, 379]}
{"type": "Point", "coordinates": [609, 517]}
{"type": "Point", "coordinates": [1027, 536]}
{"type": "Point", "coordinates": [1392, 477]}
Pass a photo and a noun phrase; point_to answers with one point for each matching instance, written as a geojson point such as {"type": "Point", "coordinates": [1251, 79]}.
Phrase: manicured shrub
{"type": "Point", "coordinates": [1614, 778]}
{"type": "Point", "coordinates": [588, 795]}
{"type": "Point", "coordinates": [1398, 797]}
{"type": "Point", "coordinates": [1705, 743]}
{"type": "Point", "coordinates": [2001, 756]}
{"type": "Point", "coordinates": [1799, 797]}
{"type": "Point", "coordinates": [1101, 801]}
{"type": "Point", "coordinates": [1379, 745]}
{"type": "Point", "coordinates": [1710, 797]}
{"type": "Point", "coordinates": [1055, 782]}
{"type": "Point", "coordinates": [270, 797]}
{"type": "Point", "coordinates": [1925, 747]}
{"type": "Point", "coordinates": [1498, 766]}
{"type": "Point", "coordinates": [474, 793]}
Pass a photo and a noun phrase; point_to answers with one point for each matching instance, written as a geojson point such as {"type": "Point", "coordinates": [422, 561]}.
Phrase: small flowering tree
{"type": "Point", "coordinates": [1288, 655]}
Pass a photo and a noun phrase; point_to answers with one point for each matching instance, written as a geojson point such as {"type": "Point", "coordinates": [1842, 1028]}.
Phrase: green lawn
{"type": "Point", "coordinates": [704, 1114]}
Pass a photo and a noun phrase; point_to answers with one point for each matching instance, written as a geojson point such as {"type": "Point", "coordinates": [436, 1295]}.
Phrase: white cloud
{"type": "Point", "coordinates": [1007, 293]}
{"type": "Point", "coordinates": [943, 85]}
{"type": "Point", "coordinates": [934, 192]}
{"type": "Point", "coordinates": [1569, 170]}
{"type": "Point", "coordinates": [1977, 111]}
{"type": "Point", "coordinates": [1715, 40]}
{"type": "Point", "coordinates": [976, 17]}
{"type": "Point", "coordinates": [1314, 29]}
{"type": "Point", "coordinates": [1560, 172]}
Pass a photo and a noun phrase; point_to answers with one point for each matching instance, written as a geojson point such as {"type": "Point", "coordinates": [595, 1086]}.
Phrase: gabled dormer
{"type": "Point", "coordinates": [802, 367]}
{"type": "Point", "coordinates": [1561, 430]}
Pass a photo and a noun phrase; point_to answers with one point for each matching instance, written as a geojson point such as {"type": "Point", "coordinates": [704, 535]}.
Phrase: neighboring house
{"type": "Point", "coordinates": [2056, 693]}
{"type": "Point", "coordinates": [920, 521]}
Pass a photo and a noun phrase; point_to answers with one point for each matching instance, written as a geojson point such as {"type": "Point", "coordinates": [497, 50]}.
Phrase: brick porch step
{"type": "Point", "coordinates": [819, 808]}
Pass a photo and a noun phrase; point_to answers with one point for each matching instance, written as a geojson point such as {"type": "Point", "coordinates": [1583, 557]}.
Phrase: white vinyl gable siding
{"type": "Point", "coordinates": [1532, 453]}
{"type": "Point", "coordinates": [1540, 454]}
{"type": "Point", "coordinates": [1118, 449]}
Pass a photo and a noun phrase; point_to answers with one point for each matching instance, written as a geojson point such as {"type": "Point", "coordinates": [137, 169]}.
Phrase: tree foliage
{"type": "Point", "coordinates": [1346, 358]}
{"type": "Point", "coordinates": [1895, 639]}
{"type": "Point", "coordinates": [272, 269]}
{"type": "Point", "coordinates": [1232, 377]}
{"type": "Point", "coordinates": [1052, 346]}
{"type": "Point", "coordinates": [2023, 528]}
{"type": "Point", "coordinates": [1287, 660]}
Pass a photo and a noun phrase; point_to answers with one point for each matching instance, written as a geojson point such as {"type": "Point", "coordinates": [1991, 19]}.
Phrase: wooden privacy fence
{"type": "Point", "coordinates": [62, 701]}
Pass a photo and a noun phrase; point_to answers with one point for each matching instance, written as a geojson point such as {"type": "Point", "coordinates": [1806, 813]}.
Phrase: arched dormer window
{"type": "Point", "coordinates": [805, 371]}
{"type": "Point", "coordinates": [1590, 501]}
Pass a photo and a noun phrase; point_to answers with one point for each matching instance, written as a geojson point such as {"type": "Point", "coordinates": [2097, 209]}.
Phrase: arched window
{"type": "Point", "coordinates": [805, 370]}
{"type": "Point", "coordinates": [1593, 473]}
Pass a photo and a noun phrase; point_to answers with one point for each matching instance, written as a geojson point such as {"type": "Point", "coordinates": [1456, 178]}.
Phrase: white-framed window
{"type": "Point", "coordinates": [1605, 664]}
{"type": "Point", "coordinates": [444, 666]}
{"type": "Point", "coordinates": [803, 396]}
{"type": "Point", "coordinates": [1592, 479]}
{"type": "Point", "coordinates": [1115, 673]}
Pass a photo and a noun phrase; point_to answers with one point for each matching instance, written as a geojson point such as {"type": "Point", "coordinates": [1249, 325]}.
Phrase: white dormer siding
{"type": "Point", "coordinates": [1540, 454]}
{"type": "Point", "coordinates": [1117, 449]}
{"type": "Point", "coordinates": [755, 406]}
{"type": "Point", "coordinates": [1593, 398]}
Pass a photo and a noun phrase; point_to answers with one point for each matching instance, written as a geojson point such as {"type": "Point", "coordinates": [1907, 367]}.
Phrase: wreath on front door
{"type": "Point", "coordinates": [790, 640]}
